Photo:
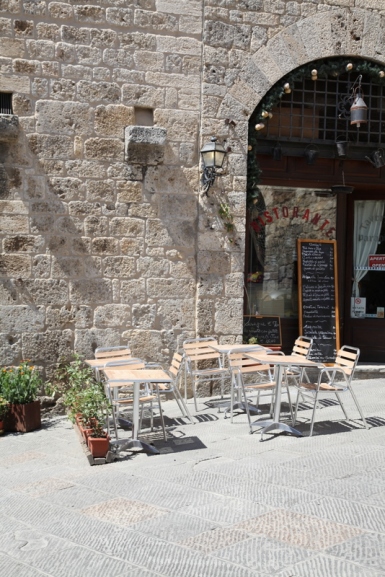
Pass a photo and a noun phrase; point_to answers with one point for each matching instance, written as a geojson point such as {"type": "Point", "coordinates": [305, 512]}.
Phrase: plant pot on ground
{"type": "Point", "coordinates": [19, 386]}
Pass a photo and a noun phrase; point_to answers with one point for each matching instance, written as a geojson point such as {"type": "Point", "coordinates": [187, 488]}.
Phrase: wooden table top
{"type": "Point", "coordinates": [99, 363]}
{"type": "Point", "coordinates": [282, 360]}
{"type": "Point", "coordinates": [224, 349]}
{"type": "Point", "coordinates": [141, 375]}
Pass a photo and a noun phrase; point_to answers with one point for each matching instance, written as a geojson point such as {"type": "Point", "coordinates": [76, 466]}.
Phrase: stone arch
{"type": "Point", "coordinates": [337, 32]}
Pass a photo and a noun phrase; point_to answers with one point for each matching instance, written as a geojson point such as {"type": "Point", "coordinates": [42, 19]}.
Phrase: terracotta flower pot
{"type": "Point", "coordinates": [23, 418]}
{"type": "Point", "coordinates": [86, 433]}
{"type": "Point", "coordinates": [1, 426]}
{"type": "Point", "coordinates": [98, 445]}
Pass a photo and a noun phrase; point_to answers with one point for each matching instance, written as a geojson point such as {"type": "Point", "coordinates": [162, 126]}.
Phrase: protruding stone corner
{"type": "Point", "coordinates": [145, 144]}
{"type": "Point", "coordinates": [9, 127]}
{"type": "Point", "coordinates": [145, 135]}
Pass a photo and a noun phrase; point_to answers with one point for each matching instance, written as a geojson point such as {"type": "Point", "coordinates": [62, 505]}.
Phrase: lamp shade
{"type": "Point", "coordinates": [213, 154]}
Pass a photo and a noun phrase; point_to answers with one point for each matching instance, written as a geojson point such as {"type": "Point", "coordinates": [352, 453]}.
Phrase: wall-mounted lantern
{"type": "Point", "coordinates": [213, 155]}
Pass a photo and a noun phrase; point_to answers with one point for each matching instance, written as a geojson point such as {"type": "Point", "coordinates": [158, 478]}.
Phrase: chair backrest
{"type": "Point", "coordinates": [302, 346]}
{"type": "Point", "coordinates": [112, 352]}
{"type": "Point", "coordinates": [347, 359]}
{"type": "Point", "coordinates": [176, 363]}
{"type": "Point", "coordinates": [200, 350]}
{"type": "Point", "coordinates": [239, 363]}
{"type": "Point", "coordinates": [130, 364]}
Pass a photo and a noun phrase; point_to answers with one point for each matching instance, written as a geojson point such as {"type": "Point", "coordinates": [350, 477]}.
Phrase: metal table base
{"type": "Point", "coordinates": [128, 444]}
{"type": "Point", "coordinates": [272, 425]}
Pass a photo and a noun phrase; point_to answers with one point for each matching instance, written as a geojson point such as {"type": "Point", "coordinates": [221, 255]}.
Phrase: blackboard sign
{"type": "Point", "coordinates": [267, 330]}
{"type": "Point", "coordinates": [318, 297]}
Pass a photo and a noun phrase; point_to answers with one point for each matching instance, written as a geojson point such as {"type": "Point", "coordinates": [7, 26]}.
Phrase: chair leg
{"type": "Point", "coordinates": [289, 399]}
{"type": "Point", "coordinates": [358, 407]}
{"type": "Point", "coordinates": [194, 393]}
{"type": "Point", "coordinates": [313, 414]}
{"type": "Point", "coordinates": [342, 406]}
{"type": "Point", "coordinates": [161, 414]}
{"type": "Point", "coordinates": [141, 417]}
{"type": "Point", "coordinates": [247, 408]}
{"type": "Point", "coordinates": [114, 421]}
{"type": "Point", "coordinates": [182, 404]}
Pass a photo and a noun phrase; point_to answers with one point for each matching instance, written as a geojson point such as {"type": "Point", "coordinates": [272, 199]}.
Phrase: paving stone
{"type": "Point", "coordinates": [175, 526]}
{"type": "Point", "coordinates": [215, 539]}
{"type": "Point", "coordinates": [76, 497]}
{"type": "Point", "coordinates": [321, 566]}
{"type": "Point", "coordinates": [42, 487]}
{"type": "Point", "coordinates": [28, 544]}
{"type": "Point", "coordinates": [299, 530]}
{"type": "Point", "coordinates": [12, 460]}
{"type": "Point", "coordinates": [76, 560]}
{"type": "Point", "coordinates": [123, 512]}
{"type": "Point", "coordinates": [11, 568]}
{"type": "Point", "coordinates": [227, 511]}
{"type": "Point", "coordinates": [263, 554]}
{"type": "Point", "coordinates": [367, 550]}
{"type": "Point", "coordinates": [342, 511]}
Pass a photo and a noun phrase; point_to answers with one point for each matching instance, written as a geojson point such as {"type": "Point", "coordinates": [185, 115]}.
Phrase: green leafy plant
{"type": "Point", "coordinates": [20, 385]}
{"type": "Point", "coordinates": [224, 212]}
{"type": "Point", "coordinates": [4, 406]}
{"type": "Point", "coordinates": [75, 383]}
{"type": "Point", "coordinates": [253, 341]}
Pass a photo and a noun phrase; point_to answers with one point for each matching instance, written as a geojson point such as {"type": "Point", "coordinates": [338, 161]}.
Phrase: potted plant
{"type": "Point", "coordinates": [20, 386]}
{"type": "Point", "coordinates": [4, 406]}
{"type": "Point", "coordinates": [94, 403]}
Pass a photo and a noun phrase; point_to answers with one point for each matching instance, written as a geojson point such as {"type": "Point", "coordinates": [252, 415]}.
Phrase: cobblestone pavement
{"type": "Point", "coordinates": [216, 502]}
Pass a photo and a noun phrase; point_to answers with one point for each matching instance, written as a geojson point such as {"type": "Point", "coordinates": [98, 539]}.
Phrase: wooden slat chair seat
{"type": "Point", "coordinates": [334, 379]}
{"type": "Point", "coordinates": [119, 353]}
{"type": "Point", "coordinates": [120, 394]}
{"type": "Point", "coordinates": [202, 363]}
{"type": "Point", "coordinates": [249, 376]}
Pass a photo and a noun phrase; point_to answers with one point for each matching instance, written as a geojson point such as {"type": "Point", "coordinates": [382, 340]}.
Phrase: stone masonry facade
{"type": "Point", "coordinates": [106, 237]}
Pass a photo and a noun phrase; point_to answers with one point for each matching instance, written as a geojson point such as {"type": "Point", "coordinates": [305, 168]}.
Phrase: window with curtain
{"type": "Point", "coordinates": [368, 289]}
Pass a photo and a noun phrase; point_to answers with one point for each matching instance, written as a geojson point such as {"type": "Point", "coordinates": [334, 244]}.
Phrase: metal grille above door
{"type": "Point", "coordinates": [6, 103]}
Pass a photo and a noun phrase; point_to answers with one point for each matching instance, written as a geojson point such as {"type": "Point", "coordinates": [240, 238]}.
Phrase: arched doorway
{"type": "Point", "coordinates": [299, 160]}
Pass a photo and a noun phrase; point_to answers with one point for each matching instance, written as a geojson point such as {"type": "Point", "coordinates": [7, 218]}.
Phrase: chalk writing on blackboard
{"type": "Point", "coordinates": [266, 329]}
{"type": "Point", "coordinates": [318, 298]}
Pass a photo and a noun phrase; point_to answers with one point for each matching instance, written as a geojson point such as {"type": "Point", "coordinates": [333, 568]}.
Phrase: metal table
{"type": "Point", "coordinates": [280, 362]}
{"type": "Point", "coordinates": [121, 377]}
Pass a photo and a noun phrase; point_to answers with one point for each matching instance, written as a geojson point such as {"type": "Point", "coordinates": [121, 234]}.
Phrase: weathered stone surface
{"type": "Point", "coordinates": [86, 341]}
{"type": "Point", "coordinates": [90, 291]}
{"type": "Point", "coordinates": [18, 266]}
{"type": "Point", "coordinates": [68, 316]}
{"type": "Point", "coordinates": [111, 120]}
{"type": "Point", "coordinates": [113, 315]}
{"type": "Point", "coordinates": [127, 227]}
{"type": "Point", "coordinates": [21, 318]}
{"type": "Point", "coordinates": [45, 292]}
{"type": "Point", "coordinates": [104, 148]}
{"type": "Point", "coordinates": [62, 117]}
{"type": "Point", "coordinates": [47, 347]}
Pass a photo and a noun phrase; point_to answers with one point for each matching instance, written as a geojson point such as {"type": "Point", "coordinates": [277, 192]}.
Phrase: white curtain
{"type": "Point", "coordinates": [368, 215]}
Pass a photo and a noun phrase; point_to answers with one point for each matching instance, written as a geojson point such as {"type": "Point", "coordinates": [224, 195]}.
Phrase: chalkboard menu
{"type": "Point", "coordinates": [318, 297]}
{"type": "Point", "coordinates": [267, 330]}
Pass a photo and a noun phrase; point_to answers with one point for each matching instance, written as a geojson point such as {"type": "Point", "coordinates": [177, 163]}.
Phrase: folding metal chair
{"type": "Point", "coordinates": [197, 356]}
{"type": "Point", "coordinates": [344, 367]}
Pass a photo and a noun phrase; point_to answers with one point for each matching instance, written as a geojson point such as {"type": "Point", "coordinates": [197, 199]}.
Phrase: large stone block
{"type": "Point", "coordinates": [119, 266]}
{"type": "Point", "coordinates": [143, 316]}
{"type": "Point", "coordinates": [111, 120]}
{"type": "Point", "coordinates": [45, 292]}
{"type": "Point", "coordinates": [113, 315]}
{"type": "Point", "coordinates": [139, 40]}
{"type": "Point", "coordinates": [105, 245]}
{"type": "Point", "coordinates": [119, 16]}
{"type": "Point", "coordinates": [67, 189]}
{"type": "Point", "coordinates": [129, 191]}
{"type": "Point", "coordinates": [67, 267]}
{"type": "Point", "coordinates": [171, 179]}
{"type": "Point", "coordinates": [100, 190]}
{"type": "Point", "coordinates": [86, 341]}
{"type": "Point", "coordinates": [21, 318]}
{"type": "Point", "coordinates": [90, 291]}
{"type": "Point", "coordinates": [155, 21]}
{"type": "Point", "coordinates": [96, 225]}
{"type": "Point", "coordinates": [104, 149]}
{"type": "Point", "coordinates": [14, 83]}
{"type": "Point", "coordinates": [23, 243]}
{"type": "Point", "coordinates": [45, 146]}
{"type": "Point", "coordinates": [170, 288]}
{"type": "Point", "coordinates": [171, 233]}
{"type": "Point", "coordinates": [78, 316]}
{"type": "Point", "coordinates": [127, 227]}
{"type": "Point", "coordinates": [86, 169]}
{"type": "Point", "coordinates": [103, 38]}
{"type": "Point", "coordinates": [63, 117]}
{"type": "Point", "coordinates": [60, 10]}
{"type": "Point", "coordinates": [150, 267]}
{"type": "Point", "coordinates": [12, 47]}
{"type": "Point", "coordinates": [176, 314]}
{"type": "Point", "coordinates": [15, 265]}
{"type": "Point", "coordinates": [47, 347]}
{"type": "Point", "coordinates": [133, 291]}
{"type": "Point", "coordinates": [10, 349]}
{"type": "Point", "coordinates": [148, 344]}
{"type": "Point", "coordinates": [141, 95]}
{"type": "Point", "coordinates": [97, 91]}
{"type": "Point", "coordinates": [145, 145]}
{"type": "Point", "coordinates": [88, 13]}
{"type": "Point", "coordinates": [8, 292]}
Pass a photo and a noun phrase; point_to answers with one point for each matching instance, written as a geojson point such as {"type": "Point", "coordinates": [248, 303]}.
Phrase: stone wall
{"type": "Point", "coordinates": [102, 244]}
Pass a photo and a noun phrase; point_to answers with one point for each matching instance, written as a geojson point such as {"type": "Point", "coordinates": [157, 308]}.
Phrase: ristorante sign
{"type": "Point", "coordinates": [268, 216]}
